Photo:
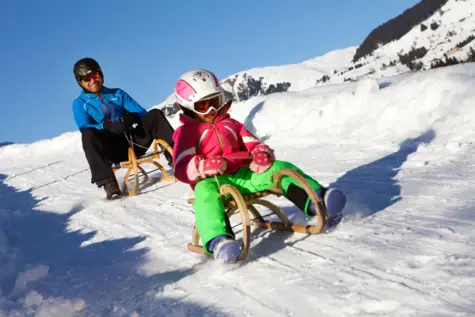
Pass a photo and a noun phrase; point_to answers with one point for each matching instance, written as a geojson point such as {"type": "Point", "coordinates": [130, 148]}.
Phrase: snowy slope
{"type": "Point", "coordinates": [402, 149]}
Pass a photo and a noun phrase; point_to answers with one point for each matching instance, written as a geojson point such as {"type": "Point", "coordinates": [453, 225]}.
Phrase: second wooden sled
{"type": "Point", "coordinates": [246, 204]}
{"type": "Point", "coordinates": [133, 166]}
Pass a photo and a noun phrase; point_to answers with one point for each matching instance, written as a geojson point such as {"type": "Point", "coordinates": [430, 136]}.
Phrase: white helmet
{"type": "Point", "coordinates": [196, 85]}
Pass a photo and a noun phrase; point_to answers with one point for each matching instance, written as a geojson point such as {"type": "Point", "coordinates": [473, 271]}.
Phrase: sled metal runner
{"type": "Point", "coordinates": [235, 202]}
{"type": "Point", "coordinates": [133, 166]}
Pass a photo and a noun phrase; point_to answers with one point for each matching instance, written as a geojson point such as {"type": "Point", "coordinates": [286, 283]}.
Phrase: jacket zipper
{"type": "Point", "coordinates": [219, 138]}
{"type": "Point", "coordinates": [107, 106]}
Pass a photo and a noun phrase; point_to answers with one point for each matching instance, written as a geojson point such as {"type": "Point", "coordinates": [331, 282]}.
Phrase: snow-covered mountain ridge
{"type": "Point", "coordinates": [430, 32]}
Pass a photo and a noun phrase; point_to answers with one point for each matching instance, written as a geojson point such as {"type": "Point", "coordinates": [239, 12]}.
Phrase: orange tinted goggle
{"type": "Point", "coordinates": [90, 77]}
{"type": "Point", "coordinates": [205, 106]}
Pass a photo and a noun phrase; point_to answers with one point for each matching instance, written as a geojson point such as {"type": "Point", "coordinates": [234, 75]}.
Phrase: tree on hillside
{"type": "Point", "coordinates": [396, 28]}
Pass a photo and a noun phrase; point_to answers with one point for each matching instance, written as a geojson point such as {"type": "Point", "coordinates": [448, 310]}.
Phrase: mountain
{"type": "Point", "coordinates": [429, 34]}
{"type": "Point", "coordinates": [263, 81]}
{"type": "Point", "coordinates": [5, 143]}
{"type": "Point", "coordinates": [396, 28]}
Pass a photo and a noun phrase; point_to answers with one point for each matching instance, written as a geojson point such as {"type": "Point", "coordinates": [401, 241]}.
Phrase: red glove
{"type": "Point", "coordinates": [212, 166]}
{"type": "Point", "coordinates": [262, 158]}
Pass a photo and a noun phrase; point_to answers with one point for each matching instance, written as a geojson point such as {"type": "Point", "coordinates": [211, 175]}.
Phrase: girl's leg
{"type": "Point", "coordinates": [211, 221]}
{"type": "Point", "coordinates": [249, 182]}
{"type": "Point", "coordinates": [333, 199]}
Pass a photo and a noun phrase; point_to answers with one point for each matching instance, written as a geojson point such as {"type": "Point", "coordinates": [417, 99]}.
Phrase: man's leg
{"type": "Point", "coordinates": [101, 151]}
{"type": "Point", "coordinates": [155, 125]}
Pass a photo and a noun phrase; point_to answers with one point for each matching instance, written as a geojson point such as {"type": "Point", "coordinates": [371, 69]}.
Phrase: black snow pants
{"type": "Point", "coordinates": [102, 149]}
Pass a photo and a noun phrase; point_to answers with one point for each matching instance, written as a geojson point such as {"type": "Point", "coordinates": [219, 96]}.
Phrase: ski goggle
{"type": "Point", "coordinates": [205, 106]}
{"type": "Point", "coordinates": [90, 77]}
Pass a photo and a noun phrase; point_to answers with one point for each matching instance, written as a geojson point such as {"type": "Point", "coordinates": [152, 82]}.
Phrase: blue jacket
{"type": "Point", "coordinates": [92, 110]}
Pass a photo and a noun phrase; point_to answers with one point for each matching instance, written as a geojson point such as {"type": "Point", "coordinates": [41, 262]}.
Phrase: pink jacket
{"type": "Point", "coordinates": [196, 140]}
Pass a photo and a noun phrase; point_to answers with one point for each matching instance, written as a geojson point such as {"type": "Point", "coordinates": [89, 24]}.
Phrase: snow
{"type": "Point", "coordinates": [400, 147]}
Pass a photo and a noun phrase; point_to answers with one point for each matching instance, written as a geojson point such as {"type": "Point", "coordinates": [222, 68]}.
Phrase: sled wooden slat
{"type": "Point", "coordinates": [245, 204]}
{"type": "Point", "coordinates": [140, 160]}
{"type": "Point", "coordinates": [133, 166]}
{"type": "Point", "coordinates": [309, 229]}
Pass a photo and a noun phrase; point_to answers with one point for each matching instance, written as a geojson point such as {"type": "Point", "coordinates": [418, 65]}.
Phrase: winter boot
{"type": "Point", "coordinates": [112, 190]}
{"type": "Point", "coordinates": [334, 201]}
{"type": "Point", "coordinates": [225, 249]}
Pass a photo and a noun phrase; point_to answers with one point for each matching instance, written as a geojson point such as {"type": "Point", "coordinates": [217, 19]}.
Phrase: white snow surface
{"type": "Point", "coordinates": [401, 148]}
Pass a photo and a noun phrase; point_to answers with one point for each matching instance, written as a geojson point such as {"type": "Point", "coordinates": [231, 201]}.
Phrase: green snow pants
{"type": "Point", "coordinates": [209, 209]}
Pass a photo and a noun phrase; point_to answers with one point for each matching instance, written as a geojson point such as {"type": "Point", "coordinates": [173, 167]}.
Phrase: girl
{"type": "Point", "coordinates": [210, 143]}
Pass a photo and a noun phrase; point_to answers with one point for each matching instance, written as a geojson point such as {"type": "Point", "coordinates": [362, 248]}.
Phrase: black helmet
{"type": "Point", "coordinates": [85, 67]}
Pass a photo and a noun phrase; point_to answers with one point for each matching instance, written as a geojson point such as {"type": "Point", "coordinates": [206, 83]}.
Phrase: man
{"type": "Point", "coordinates": [108, 119]}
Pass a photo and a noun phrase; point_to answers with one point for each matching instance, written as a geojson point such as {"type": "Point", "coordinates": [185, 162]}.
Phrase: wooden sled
{"type": "Point", "coordinates": [246, 204]}
{"type": "Point", "coordinates": [133, 165]}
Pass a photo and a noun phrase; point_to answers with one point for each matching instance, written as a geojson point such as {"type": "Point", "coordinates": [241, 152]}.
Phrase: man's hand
{"type": "Point", "coordinates": [130, 118]}
{"type": "Point", "coordinates": [114, 127]}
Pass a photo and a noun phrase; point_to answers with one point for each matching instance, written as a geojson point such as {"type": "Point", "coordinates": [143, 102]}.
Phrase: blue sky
{"type": "Point", "coordinates": [143, 46]}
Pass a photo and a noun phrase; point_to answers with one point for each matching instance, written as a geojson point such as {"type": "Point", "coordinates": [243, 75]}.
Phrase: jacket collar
{"type": "Point", "coordinates": [86, 94]}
